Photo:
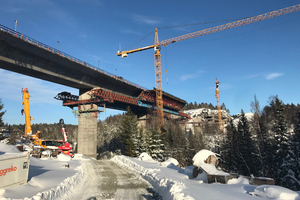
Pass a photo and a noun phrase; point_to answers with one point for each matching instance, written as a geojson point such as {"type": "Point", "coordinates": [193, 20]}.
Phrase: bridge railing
{"type": "Point", "coordinates": [65, 55]}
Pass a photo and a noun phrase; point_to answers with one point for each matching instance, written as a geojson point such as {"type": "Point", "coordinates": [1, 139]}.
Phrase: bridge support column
{"type": "Point", "coordinates": [142, 120]}
{"type": "Point", "coordinates": [87, 127]}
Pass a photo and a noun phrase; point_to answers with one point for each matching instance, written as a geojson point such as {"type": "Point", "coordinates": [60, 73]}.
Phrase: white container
{"type": "Point", "coordinates": [14, 169]}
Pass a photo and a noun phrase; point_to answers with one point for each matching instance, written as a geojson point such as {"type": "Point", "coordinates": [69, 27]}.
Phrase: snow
{"type": "Point", "coordinates": [275, 192]}
{"type": "Point", "coordinates": [169, 162]}
{"type": "Point", "coordinates": [64, 157]}
{"type": "Point", "coordinates": [47, 179]}
{"type": "Point", "coordinates": [201, 156]}
{"type": "Point", "coordinates": [173, 182]}
{"type": "Point", "coordinates": [249, 117]}
{"type": "Point", "coordinates": [199, 159]}
{"type": "Point", "coordinates": [145, 157]}
{"type": "Point", "coordinates": [240, 180]}
{"type": "Point", "coordinates": [50, 179]}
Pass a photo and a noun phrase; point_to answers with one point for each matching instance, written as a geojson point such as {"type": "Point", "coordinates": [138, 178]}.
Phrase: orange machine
{"type": "Point", "coordinates": [157, 56]}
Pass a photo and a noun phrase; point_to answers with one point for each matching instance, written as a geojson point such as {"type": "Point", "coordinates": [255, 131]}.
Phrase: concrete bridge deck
{"type": "Point", "coordinates": [24, 55]}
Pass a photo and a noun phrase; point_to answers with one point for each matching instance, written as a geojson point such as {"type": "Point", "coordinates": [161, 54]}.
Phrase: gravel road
{"type": "Point", "coordinates": [106, 180]}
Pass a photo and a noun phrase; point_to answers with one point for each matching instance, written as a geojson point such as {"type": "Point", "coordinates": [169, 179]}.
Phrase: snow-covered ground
{"type": "Point", "coordinates": [49, 179]}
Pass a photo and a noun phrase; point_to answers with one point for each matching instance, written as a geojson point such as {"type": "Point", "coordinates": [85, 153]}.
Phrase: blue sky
{"type": "Point", "coordinates": [261, 58]}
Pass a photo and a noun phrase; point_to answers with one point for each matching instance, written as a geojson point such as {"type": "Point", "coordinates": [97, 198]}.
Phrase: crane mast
{"type": "Point", "coordinates": [158, 82]}
{"type": "Point", "coordinates": [157, 45]}
{"type": "Point", "coordinates": [219, 106]}
{"type": "Point", "coordinates": [26, 110]}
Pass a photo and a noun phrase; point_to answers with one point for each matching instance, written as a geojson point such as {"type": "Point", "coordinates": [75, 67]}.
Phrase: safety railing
{"type": "Point", "coordinates": [65, 55]}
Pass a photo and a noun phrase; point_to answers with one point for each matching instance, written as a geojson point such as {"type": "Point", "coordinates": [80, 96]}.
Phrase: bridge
{"type": "Point", "coordinates": [97, 88]}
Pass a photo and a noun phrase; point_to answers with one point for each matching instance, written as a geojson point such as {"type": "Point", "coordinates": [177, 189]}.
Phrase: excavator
{"type": "Point", "coordinates": [63, 145]}
{"type": "Point", "coordinates": [38, 144]}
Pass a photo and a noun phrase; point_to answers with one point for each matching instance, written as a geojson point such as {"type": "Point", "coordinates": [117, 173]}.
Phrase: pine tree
{"type": "Point", "coordinates": [1, 113]}
{"type": "Point", "coordinates": [157, 146]}
{"type": "Point", "coordinates": [292, 179]}
{"type": "Point", "coordinates": [229, 149]}
{"type": "Point", "coordinates": [265, 148]}
{"type": "Point", "coordinates": [175, 142]}
{"type": "Point", "coordinates": [144, 146]}
{"type": "Point", "coordinates": [281, 140]}
{"type": "Point", "coordinates": [247, 154]}
{"type": "Point", "coordinates": [129, 132]}
{"type": "Point", "coordinates": [259, 134]}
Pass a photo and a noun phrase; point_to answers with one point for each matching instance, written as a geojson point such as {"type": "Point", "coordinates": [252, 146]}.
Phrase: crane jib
{"type": "Point", "coordinates": [223, 27]}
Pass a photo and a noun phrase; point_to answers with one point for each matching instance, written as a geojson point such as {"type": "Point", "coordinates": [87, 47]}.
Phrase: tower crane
{"type": "Point", "coordinates": [219, 106]}
{"type": "Point", "coordinates": [157, 56]}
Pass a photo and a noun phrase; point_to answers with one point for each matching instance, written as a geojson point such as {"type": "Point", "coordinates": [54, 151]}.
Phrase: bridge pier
{"type": "Point", "coordinates": [87, 127]}
{"type": "Point", "coordinates": [142, 120]}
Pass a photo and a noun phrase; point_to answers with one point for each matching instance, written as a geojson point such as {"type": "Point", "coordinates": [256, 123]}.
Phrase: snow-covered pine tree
{"type": "Point", "coordinates": [175, 141]}
{"type": "Point", "coordinates": [281, 144]}
{"type": "Point", "coordinates": [194, 144]}
{"type": "Point", "coordinates": [157, 146]}
{"type": "Point", "coordinates": [292, 179]}
{"type": "Point", "coordinates": [129, 132]}
{"type": "Point", "coordinates": [229, 149]}
{"type": "Point", "coordinates": [265, 148]}
{"type": "Point", "coordinates": [258, 135]}
{"type": "Point", "coordinates": [143, 146]}
{"type": "Point", "coordinates": [247, 154]}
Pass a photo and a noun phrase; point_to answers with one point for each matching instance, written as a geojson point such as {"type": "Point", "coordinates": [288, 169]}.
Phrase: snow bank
{"type": "Point", "coordinates": [167, 188]}
{"type": "Point", "coordinates": [64, 157]}
{"type": "Point", "coordinates": [168, 162]}
{"type": "Point", "coordinates": [7, 149]}
{"type": "Point", "coordinates": [145, 157]}
{"type": "Point", "coordinates": [240, 180]}
{"type": "Point", "coordinates": [274, 192]}
{"type": "Point", "coordinates": [61, 189]}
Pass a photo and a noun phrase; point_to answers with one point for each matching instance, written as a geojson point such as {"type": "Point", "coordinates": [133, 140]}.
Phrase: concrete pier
{"type": "Point", "coordinates": [87, 127]}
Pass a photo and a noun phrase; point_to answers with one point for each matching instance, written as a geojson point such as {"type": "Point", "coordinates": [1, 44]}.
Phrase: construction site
{"type": "Point", "coordinates": [176, 152]}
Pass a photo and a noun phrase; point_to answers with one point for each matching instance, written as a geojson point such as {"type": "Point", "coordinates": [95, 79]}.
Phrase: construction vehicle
{"type": "Point", "coordinates": [63, 145]}
{"type": "Point", "coordinates": [219, 106]}
{"type": "Point", "coordinates": [35, 138]}
{"type": "Point", "coordinates": [157, 56]}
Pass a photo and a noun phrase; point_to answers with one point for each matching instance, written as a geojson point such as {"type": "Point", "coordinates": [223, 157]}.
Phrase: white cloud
{"type": "Point", "coordinates": [145, 19]}
{"type": "Point", "coordinates": [128, 31]}
{"type": "Point", "coordinates": [253, 76]}
{"type": "Point", "coordinates": [190, 76]}
{"type": "Point", "coordinates": [11, 84]}
{"type": "Point", "coordinates": [273, 76]}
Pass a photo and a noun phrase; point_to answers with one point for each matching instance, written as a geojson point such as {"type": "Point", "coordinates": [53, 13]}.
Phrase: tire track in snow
{"type": "Point", "coordinates": [106, 180]}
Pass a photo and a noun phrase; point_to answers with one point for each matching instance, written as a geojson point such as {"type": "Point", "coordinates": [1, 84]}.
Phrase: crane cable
{"type": "Point", "coordinates": [140, 40]}
{"type": "Point", "coordinates": [184, 26]}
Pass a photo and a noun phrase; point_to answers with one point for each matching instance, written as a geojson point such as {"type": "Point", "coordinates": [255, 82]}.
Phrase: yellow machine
{"type": "Point", "coordinates": [35, 138]}
{"type": "Point", "coordinates": [157, 56]}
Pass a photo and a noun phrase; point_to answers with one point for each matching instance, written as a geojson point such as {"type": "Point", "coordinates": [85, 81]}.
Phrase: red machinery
{"type": "Point", "coordinates": [63, 145]}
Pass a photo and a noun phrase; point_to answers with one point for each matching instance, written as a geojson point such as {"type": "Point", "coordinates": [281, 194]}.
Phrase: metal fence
{"type": "Point", "coordinates": [63, 54]}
